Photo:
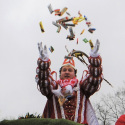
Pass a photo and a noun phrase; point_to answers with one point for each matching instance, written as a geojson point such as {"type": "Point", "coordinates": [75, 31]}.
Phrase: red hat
{"type": "Point", "coordinates": [121, 120]}
{"type": "Point", "coordinates": [69, 62]}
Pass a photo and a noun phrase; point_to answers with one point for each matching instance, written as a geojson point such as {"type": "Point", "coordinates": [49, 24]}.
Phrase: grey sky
{"type": "Point", "coordinates": [20, 33]}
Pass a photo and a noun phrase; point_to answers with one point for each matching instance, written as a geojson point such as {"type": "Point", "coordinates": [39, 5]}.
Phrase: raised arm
{"type": "Point", "coordinates": [44, 79]}
{"type": "Point", "coordinates": [93, 77]}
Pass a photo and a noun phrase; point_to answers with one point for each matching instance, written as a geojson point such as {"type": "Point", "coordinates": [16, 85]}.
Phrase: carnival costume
{"type": "Point", "coordinates": [72, 104]}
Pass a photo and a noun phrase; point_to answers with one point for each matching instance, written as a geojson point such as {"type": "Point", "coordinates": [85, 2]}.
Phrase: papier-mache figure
{"type": "Point", "coordinates": [68, 97]}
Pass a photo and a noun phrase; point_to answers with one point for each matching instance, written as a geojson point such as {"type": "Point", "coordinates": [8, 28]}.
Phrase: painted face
{"type": "Point", "coordinates": [67, 72]}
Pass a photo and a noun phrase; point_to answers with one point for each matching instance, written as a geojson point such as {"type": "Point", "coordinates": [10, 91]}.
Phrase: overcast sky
{"type": "Point", "coordinates": [20, 33]}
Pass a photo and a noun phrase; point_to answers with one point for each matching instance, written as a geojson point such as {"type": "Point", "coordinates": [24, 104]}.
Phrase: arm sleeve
{"type": "Point", "coordinates": [44, 79]}
{"type": "Point", "coordinates": [93, 78]}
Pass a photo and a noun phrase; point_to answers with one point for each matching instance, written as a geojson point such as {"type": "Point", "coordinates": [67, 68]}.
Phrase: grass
{"type": "Point", "coordinates": [38, 121]}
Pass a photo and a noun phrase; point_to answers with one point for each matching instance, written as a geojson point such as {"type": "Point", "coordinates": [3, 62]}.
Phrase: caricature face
{"type": "Point", "coordinates": [67, 72]}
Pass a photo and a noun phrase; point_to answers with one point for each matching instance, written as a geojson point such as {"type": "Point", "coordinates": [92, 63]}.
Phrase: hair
{"type": "Point", "coordinates": [75, 71]}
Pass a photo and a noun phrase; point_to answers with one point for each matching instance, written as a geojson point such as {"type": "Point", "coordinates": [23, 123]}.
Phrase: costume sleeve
{"type": "Point", "coordinates": [44, 79]}
{"type": "Point", "coordinates": [93, 77]}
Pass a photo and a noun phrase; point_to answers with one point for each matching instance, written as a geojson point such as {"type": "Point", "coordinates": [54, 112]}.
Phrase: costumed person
{"type": "Point", "coordinates": [121, 120]}
{"type": "Point", "coordinates": [68, 97]}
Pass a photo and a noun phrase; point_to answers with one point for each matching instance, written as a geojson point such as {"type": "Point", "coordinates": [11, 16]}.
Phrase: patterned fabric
{"type": "Point", "coordinates": [66, 82]}
{"type": "Point", "coordinates": [43, 78]}
{"type": "Point", "coordinates": [93, 77]}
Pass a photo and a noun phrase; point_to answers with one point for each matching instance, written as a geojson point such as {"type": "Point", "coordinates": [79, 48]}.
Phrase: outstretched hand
{"type": "Point", "coordinates": [94, 51]}
{"type": "Point", "coordinates": [43, 52]}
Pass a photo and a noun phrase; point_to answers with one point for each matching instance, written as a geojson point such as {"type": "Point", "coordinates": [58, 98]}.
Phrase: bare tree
{"type": "Point", "coordinates": [111, 107]}
{"type": "Point", "coordinates": [102, 114]}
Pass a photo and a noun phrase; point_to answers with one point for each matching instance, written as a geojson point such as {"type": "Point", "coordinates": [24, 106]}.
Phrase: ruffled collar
{"type": "Point", "coordinates": [66, 82]}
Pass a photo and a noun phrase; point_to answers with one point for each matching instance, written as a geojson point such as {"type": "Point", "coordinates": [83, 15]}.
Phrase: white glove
{"type": "Point", "coordinates": [94, 51]}
{"type": "Point", "coordinates": [43, 52]}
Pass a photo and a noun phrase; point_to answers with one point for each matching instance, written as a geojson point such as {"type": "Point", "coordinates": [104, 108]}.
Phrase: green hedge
{"type": "Point", "coordinates": [38, 121]}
